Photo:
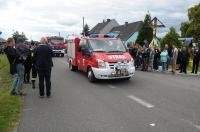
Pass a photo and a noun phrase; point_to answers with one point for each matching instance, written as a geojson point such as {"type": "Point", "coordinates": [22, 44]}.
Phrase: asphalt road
{"type": "Point", "coordinates": [150, 102]}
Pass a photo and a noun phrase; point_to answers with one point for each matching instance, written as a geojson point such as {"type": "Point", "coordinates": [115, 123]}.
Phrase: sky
{"type": "Point", "coordinates": [37, 18]}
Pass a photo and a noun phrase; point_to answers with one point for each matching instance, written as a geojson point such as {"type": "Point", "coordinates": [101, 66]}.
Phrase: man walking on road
{"type": "Point", "coordinates": [43, 58]}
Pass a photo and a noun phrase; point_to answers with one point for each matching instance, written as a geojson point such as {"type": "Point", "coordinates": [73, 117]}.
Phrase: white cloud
{"type": "Point", "coordinates": [48, 17]}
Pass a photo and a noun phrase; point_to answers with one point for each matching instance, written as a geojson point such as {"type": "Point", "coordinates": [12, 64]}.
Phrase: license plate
{"type": "Point", "coordinates": [122, 72]}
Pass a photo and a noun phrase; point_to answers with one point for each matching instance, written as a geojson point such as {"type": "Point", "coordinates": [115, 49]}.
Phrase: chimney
{"type": "Point", "coordinates": [108, 20]}
{"type": "Point", "coordinates": [103, 21]}
{"type": "Point", "coordinates": [126, 23]}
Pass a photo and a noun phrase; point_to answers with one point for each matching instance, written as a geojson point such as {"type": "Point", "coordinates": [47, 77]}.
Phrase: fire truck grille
{"type": "Point", "coordinates": [112, 65]}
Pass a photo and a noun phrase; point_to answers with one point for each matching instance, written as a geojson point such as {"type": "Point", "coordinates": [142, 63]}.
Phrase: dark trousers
{"type": "Point", "coordinates": [45, 75]}
{"type": "Point", "coordinates": [183, 66]}
{"type": "Point", "coordinates": [195, 66]}
{"type": "Point", "coordinates": [145, 64]}
{"type": "Point", "coordinates": [155, 64]}
{"type": "Point", "coordinates": [27, 73]}
{"type": "Point", "coordinates": [34, 73]}
{"type": "Point", "coordinates": [168, 62]}
{"type": "Point", "coordinates": [34, 76]}
{"type": "Point", "coordinates": [12, 69]}
{"type": "Point", "coordinates": [137, 62]}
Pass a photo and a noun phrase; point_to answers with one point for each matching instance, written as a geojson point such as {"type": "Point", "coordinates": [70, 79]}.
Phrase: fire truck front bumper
{"type": "Point", "coordinates": [113, 74]}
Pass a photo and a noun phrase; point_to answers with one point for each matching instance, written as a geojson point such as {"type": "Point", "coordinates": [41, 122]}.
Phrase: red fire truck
{"type": "Point", "coordinates": [100, 58]}
{"type": "Point", "coordinates": [58, 45]}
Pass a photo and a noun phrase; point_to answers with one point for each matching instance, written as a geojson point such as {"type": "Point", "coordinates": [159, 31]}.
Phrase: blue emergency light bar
{"type": "Point", "coordinates": [101, 36]}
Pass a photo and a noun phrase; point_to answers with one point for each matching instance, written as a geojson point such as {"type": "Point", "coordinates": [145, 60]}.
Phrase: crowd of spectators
{"type": "Point", "coordinates": [170, 57]}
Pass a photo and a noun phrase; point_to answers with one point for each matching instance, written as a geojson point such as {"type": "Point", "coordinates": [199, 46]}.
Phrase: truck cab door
{"type": "Point", "coordinates": [83, 58]}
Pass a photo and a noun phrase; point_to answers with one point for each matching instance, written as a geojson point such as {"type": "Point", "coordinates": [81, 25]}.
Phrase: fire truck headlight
{"type": "Point", "coordinates": [101, 63]}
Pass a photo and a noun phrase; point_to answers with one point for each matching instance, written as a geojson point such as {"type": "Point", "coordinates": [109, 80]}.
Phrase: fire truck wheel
{"type": "Point", "coordinates": [71, 67]}
{"type": "Point", "coordinates": [91, 76]}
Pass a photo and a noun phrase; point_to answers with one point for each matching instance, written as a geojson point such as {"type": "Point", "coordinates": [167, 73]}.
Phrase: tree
{"type": "Point", "coordinates": [86, 30]}
{"type": "Point", "coordinates": [184, 28]}
{"type": "Point", "coordinates": [171, 38]}
{"type": "Point", "coordinates": [17, 35]}
{"type": "Point", "coordinates": [146, 32]}
{"type": "Point", "coordinates": [192, 28]}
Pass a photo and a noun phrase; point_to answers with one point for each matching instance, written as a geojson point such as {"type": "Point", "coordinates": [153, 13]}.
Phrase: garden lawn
{"type": "Point", "coordinates": [10, 106]}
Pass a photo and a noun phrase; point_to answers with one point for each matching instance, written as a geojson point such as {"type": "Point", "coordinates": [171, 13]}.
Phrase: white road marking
{"type": "Point", "coordinates": [152, 124]}
{"type": "Point", "coordinates": [140, 101]}
{"type": "Point", "coordinates": [111, 86]}
{"type": "Point", "coordinates": [192, 124]}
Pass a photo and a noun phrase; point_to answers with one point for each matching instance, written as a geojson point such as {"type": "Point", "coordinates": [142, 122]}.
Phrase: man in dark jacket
{"type": "Point", "coordinates": [184, 60]}
{"type": "Point", "coordinates": [156, 59]}
{"type": "Point", "coordinates": [27, 66]}
{"type": "Point", "coordinates": [145, 56]}
{"type": "Point", "coordinates": [11, 55]}
{"type": "Point", "coordinates": [43, 59]}
{"type": "Point", "coordinates": [196, 60]}
{"type": "Point", "coordinates": [33, 67]}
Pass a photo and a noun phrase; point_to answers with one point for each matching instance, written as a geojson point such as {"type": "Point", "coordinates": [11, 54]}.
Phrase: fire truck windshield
{"type": "Point", "coordinates": [107, 45]}
{"type": "Point", "coordinates": [56, 40]}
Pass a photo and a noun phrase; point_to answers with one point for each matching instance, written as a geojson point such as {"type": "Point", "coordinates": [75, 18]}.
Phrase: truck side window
{"type": "Point", "coordinates": [81, 43]}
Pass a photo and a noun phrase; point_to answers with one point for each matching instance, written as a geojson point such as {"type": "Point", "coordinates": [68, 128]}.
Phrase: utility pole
{"type": "Point", "coordinates": [83, 26]}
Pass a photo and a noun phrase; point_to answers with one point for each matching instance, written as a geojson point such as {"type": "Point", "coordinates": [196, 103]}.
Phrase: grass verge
{"type": "Point", "coordinates": [10, 106]}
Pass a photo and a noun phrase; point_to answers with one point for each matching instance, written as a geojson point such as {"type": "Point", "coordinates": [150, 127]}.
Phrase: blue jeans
{"type": "Point", "coordinates": [164, 66]}
{"type": "Point", "coordinates": [18, 79]}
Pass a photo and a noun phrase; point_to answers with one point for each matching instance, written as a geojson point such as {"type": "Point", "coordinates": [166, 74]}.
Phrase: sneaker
{"type": "Point", "coordinates": [41, 96]}
{"type": "Point", "coordinates": [22, 94]}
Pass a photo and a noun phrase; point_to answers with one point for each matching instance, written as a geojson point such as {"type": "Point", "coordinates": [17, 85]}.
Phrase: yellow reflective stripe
{"type": "Point", "coordinates": [33, 78]}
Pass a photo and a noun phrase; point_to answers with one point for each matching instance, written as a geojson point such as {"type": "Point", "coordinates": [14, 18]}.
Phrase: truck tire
{"type": "Point", "coordinates": [71, 67]}
{"type": "Point", "coordinates": [62, 55]}
{"type": "Point", "coordinates": [90, 75]}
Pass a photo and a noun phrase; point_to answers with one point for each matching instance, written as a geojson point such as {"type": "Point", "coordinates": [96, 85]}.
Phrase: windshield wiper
{"type": "Point", "coordinates": [116, 51]}
{"type": "Point", "coordinates": [99, 51]}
